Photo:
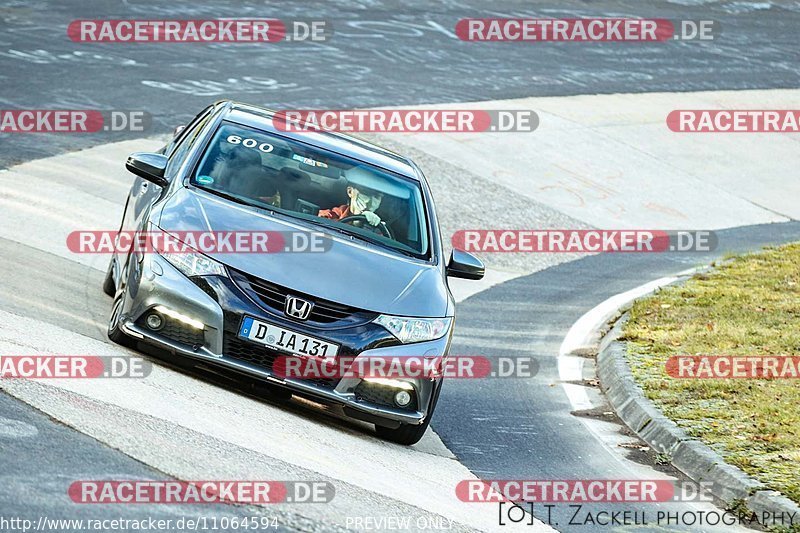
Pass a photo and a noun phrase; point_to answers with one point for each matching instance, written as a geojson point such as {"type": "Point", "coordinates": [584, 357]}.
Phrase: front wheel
{"type": "Point", "coordinates": [406, 434]}
{"type": "Point", "coordinates": [108, 283]}
{"type": "Point", "coordinates": [114, 332]}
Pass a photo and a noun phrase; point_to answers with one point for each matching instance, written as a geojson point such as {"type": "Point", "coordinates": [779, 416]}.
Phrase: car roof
{"type": "Point", "coordinates": [261, 118]}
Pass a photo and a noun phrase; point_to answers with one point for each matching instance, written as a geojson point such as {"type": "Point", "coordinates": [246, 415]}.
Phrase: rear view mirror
{"type": "Point", "coordinates": [148, 166]}
{"type": "Point", "coordinates": [327, 171]}
{"type": "Point", "coordinates": [465, 265]}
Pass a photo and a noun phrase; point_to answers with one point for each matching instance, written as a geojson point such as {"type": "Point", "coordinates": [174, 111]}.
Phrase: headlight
{"type": "Point", "coordinates": [193, 263]}
{"type": "Point", "coordinates": [408, 330]}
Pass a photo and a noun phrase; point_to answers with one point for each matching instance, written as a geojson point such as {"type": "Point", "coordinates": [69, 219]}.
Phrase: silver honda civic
{"type": "Point", "coordinates": [374, 285]}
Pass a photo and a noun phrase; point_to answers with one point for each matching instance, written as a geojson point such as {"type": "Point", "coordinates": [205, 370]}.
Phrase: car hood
{"type": "Point", "coordinates": [350, 273]}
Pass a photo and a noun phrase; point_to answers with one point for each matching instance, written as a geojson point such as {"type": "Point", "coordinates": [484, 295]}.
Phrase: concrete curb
{"type": "Point", "coordinates": [687, 454]}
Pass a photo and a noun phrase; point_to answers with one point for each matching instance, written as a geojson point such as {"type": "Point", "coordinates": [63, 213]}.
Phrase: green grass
{"type": "Point", "coordinates": [749, 306]}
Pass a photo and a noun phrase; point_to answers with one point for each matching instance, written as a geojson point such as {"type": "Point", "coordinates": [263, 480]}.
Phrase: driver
{"type": "Point", "coordinates": [363, 200]}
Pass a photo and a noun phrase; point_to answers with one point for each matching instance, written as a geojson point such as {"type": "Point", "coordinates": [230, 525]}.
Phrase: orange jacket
{"type": "Point", "coordinates": [336, 213]}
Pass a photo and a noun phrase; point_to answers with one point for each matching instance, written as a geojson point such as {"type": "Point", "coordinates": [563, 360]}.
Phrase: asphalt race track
{"type": "Point", "coordinates": [193, 423]}
{"type": "Point", "coordinates": [382, 55]}
{"type": "Point", "coordinates": [542, 438]}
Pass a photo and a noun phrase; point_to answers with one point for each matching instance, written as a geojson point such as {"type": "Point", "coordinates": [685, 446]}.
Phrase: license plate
{"type": "Point", "coordinates": [285, 340]}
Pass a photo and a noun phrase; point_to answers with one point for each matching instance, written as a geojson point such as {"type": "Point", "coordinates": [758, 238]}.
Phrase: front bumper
{"type": "Point", "coordinates": [220, 304]}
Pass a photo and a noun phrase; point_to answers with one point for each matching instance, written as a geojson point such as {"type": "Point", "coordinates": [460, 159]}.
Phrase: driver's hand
{"type": "Point", "coordinates": [372, 218]}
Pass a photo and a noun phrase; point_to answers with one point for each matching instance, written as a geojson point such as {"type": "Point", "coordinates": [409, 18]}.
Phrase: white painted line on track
{"type": "Point", "coordinates": [581, 336]}
{"type": "Point", "coordinates": [337, 450]}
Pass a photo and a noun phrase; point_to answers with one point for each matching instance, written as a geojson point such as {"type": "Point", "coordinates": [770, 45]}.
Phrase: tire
{"type": "Point", "coordinates": [108, 284]}
{"type": "Point", "coordinates": [408, 434]}
{"type": "Point", "coordinates": [114, 332]}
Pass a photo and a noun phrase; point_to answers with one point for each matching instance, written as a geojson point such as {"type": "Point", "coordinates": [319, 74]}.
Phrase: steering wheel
{"type": "Point", "coordinates": [384, 229]}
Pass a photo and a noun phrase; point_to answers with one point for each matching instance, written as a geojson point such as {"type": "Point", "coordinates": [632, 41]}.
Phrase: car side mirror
{"type": "Point", "coordinates": [148, 166]}
{"type": "Point", "coordinates": [465, 265]}
{"type": "Point", "coordinates": [178, 131]}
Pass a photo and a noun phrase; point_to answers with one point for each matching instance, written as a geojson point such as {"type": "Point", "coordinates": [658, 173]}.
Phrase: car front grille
{"type": "Point", "coordinates": [182, 333]}
{"type": "Point", "coordinates": [274, 297]}
{"type": "Point", "coordinates": [249, 353]}
{"type": "Point", "coordinates": [261, 357]}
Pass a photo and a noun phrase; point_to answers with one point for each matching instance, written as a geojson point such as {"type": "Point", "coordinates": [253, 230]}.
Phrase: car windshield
{"type": "Point", "coordinates": [264, 170]}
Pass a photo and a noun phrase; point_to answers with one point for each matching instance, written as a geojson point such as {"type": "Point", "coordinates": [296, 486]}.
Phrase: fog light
{"type": "Point", "coordinates": [402, 398]}
{"type": "Point", "coordinates": [154, 321]}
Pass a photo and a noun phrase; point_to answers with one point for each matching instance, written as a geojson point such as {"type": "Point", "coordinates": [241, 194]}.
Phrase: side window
{"type": "Point", "coordinates": [170, 148]}
{"type": "Point", "coordinates": [181, 150]}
